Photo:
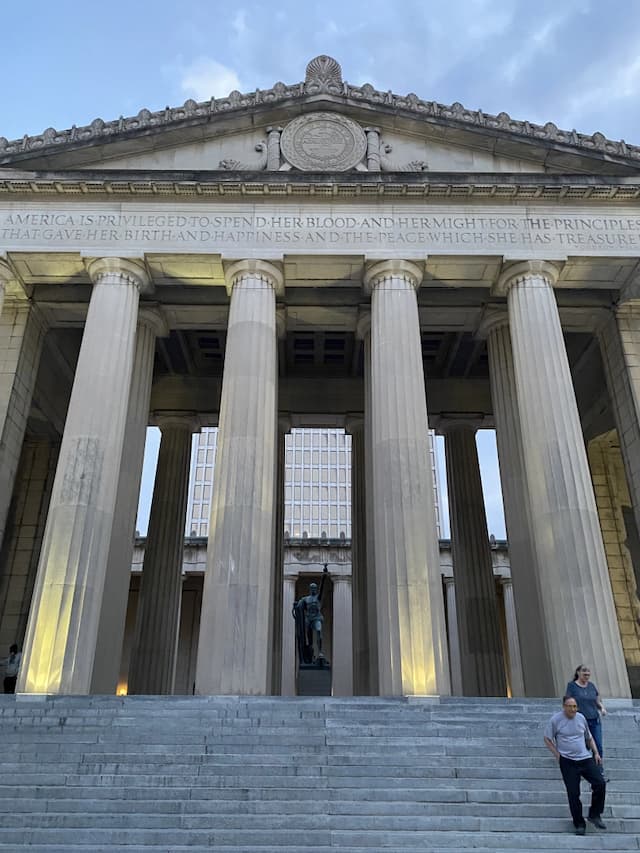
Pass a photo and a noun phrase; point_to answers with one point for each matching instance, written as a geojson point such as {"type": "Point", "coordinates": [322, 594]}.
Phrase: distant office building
{"type": "Point", "coordinates": [317, 483]}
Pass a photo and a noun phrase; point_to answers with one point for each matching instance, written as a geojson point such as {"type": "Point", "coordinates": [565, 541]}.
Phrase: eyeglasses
{"type": "Point", "coordinates": [571, 707]}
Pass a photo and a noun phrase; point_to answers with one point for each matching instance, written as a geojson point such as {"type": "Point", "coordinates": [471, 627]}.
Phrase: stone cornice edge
{"type": "Point", "coordinates": [99, 130]}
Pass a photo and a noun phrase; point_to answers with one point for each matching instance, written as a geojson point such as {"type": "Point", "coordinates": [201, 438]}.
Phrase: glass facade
{"type": "Point", "coordinates": [317, 496]}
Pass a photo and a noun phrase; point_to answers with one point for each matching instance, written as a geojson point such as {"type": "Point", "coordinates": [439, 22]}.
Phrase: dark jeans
{"type": "Point", "coordinates": [572, 772]}
{"type": "Point", "coordinates": [595, 727]}
{"type": "Point", "coordinates": [10, 683]}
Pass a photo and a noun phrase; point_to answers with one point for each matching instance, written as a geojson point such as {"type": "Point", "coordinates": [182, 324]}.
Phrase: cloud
{"type": "Point", "coordinates": [206, 78]}
{"type": "Point", "coordinates": [239, 23]}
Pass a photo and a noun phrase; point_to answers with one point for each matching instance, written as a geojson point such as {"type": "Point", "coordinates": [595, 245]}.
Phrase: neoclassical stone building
{"type": "Point", "coordinates": [320, 254]}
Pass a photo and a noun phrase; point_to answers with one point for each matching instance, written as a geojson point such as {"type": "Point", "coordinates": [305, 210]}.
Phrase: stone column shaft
{"type": "Point", "coordinates": [63, 624]}
{"type": "Point", "coordinates": [21, 550]}
{"type": "Point", "coordinates": [235, 639]}
{"type": "Point", "coordinates": [155, 646]}
{"type": "Point", "coordinates": [106, 668]}
{"type": "Point", "coordinates": [577, 603]}
{"type": "Point", "coordinates": [283, 426]}
{"type": "Point", "coordinates": [513, 644]}
{"type": "Point", "coordinates": [454, 639]}
{"type": "Point", "coordinates": [371, 611]}
{"type": "Point", "coordinates": [6, 275]}
{"type": "Point", "coordinates": [342, 659]}
{"type": "Point", "coordinates": [536, 663]}
{"type": "Point", "coordinates": [478, 627]}
{"type": "Point", "coordinates": [359, 561]}
{"type": "Point", "coordinates": [288, 682]}
{"type": "Point", "coordinates": [22, 332]}
{"type": "Point", "coordinates": [620, 346]}
{"type": "Point", "coordinates": [412, 651]}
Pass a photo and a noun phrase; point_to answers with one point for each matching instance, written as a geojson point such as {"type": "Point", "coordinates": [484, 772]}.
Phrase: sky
{"type": "Point", "coordinates": [573, 62]}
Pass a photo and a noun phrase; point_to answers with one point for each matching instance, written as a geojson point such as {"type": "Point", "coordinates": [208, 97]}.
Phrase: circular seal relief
{"type": "Point", "coordinates": [323, 142]}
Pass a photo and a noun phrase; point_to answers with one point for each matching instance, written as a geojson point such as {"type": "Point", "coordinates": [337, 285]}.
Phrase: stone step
{"type": "Point", "coordinates": [525, 808]}
{"type": "Point", "coordinates": [353, 776]}
{"type": "Point", "coordinates": [307, 840]}
{"type": "Point", "coordinates": [198, 798]}
{"type": "Point", "coordinates": [542, 843]}
{"type": "Point", "coordinates": [324, 816]}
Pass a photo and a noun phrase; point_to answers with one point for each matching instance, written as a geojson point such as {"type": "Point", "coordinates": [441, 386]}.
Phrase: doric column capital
{"type": "Point", "coordinates": [6, 273]}
{"type": "Point", "coordinates": [380, 271]}
{"type": "Point", "coordinates": [517, 271]}
{"type": "Point", "coordinates": [119, 271]}
{"type": "Point", "coordinates": [187, 421]}
{"type": "Point", "coordinates": [284, 422]}
{"type": "Point", "coordinates": [453, 422]}
{"type": "Point", "coordinates": [630, 294]}
{"type": "Point", "coordinates": [255, 269]}
{"type": "Point", "coordinates": [11, 286]}
{"type": "Point", "coordinates": [494, 317]}
{"type": "Point", "coordinates": [354, 423]}
{"type": "Point", "coordinates": [153, 317]}
{"type": "Point", "coordinates": [447, 425]}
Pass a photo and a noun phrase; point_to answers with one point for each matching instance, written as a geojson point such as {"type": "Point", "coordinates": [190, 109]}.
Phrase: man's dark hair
{"type": "Point", "coordinates": [13, 649]}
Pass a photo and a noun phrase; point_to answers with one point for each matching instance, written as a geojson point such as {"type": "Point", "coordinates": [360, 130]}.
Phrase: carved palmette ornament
{"type": "Point", "coordinates": [323, 75]}
{"type": "Point", "coordinates": [231, 165]}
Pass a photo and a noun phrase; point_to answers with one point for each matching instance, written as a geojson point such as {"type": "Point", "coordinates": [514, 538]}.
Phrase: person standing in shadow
{"type": "Point", "coordinates": [11, 669]}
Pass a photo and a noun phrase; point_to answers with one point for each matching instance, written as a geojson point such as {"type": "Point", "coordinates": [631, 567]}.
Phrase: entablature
{"type": "Point", "coordinates": [481, 186]}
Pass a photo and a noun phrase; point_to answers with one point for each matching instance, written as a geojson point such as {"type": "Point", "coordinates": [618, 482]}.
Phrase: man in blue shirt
{"type": "Point", "coordinates": [567, 736]}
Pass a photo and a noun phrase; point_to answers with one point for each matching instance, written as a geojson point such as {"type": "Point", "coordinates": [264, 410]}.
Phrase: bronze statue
{"type": "Point", "coordinates": [308, 615]}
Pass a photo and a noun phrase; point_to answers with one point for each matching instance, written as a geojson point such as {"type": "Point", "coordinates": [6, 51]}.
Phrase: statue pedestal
{"type": "Point", "coordinates": [314, 680]}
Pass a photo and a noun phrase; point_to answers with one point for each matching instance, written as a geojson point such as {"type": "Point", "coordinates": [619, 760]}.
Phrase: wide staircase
{"type": "Point", "coordinates": [275, 775]}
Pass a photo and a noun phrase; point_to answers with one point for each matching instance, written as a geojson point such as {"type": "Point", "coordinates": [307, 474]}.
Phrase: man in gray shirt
{"type": "Point", "coordinates": [567, 736]}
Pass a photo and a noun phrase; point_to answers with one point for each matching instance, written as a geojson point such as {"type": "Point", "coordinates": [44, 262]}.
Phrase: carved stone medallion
{"type": "Point", "coordinates": [323, 142]}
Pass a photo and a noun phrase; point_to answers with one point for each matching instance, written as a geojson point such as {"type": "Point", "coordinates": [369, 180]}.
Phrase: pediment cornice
{"type": "Point", "coordinates": [323, 88]}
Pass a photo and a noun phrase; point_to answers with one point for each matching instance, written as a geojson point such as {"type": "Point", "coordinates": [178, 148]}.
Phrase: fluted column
{"type": "Point", "coordinates": [477, 610]}
{"type": "Point", "coordinates": [454, 639]}
{"type": "Point", "coordinates": [288, 681]}
{"type": "Point", "coordinates": [63, 624]}
{"type": "Point", "coordinates": [155, 645]}
{"type": "Point", "coordinates": [536, 664]}
{"type": "Point", "coordinates": [283, 426]}
{"type": "Point", "coordinates": [577, 603]}
{"type": "Point", "coordinates": [516, 675]}
{"type": "Point", "coordinates": [106, 667]}
{"type": "Point", "coordinates": [234, 648]}
{"type": "Point", "coordinates": [342, 645]}
{"type": "Point", "coordinates": [619, 339]}
{"type": "Point", "coordinates": [412, 650]}
{"type": "Point", "coordinates": [21, 550]}
{"type": "Point", "coordinates": [22, 332]}
{"type": "Point", "coordinates": [371, 682]}
{"type": "Point", "coordinates": [355, 426]}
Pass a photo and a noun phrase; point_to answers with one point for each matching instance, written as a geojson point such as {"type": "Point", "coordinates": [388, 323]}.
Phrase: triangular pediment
{"type": "Point", "coordinates": [321, 125]}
